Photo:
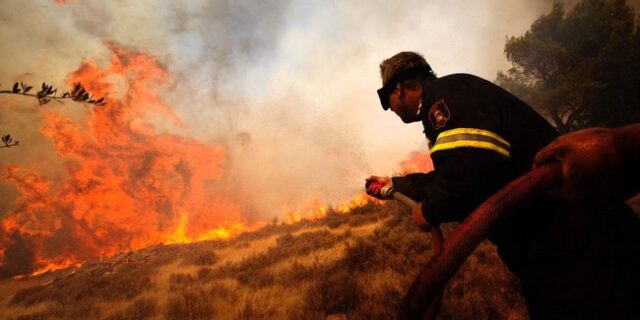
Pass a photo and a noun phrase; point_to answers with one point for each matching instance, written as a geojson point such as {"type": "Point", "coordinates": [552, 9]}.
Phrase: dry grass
{"type": "Point", "coordinates": [357, 266]}
{"type": "Point", "coordinates": [140, 309]}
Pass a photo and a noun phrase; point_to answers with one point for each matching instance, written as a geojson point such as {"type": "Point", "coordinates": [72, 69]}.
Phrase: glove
{"type": "Point", "coordinates": [377, 187]}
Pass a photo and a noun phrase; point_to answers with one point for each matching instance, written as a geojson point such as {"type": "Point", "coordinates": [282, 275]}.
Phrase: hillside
{"type": "Point", "coordinates": [355, 266]}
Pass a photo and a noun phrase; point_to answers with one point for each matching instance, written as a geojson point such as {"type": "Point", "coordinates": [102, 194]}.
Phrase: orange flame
{"type": "Point", "coordinates": [63, 2]}
{"type": "Point", "coordinates": [125, 185]}
{"type": "Point", "coordinates": [416, 162]}
{"type": "Point", "coordinates": [317, 210]}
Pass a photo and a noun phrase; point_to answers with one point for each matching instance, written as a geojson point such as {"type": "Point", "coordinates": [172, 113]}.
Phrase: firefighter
{"type": "Point", "coordinates": [574, 261]}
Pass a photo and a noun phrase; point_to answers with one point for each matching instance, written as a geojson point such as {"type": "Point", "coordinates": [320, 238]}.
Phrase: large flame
{"type": "Point", "coordinates": [125, 185]}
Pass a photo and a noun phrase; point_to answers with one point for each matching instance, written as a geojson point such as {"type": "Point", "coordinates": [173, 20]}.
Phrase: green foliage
{"type": "Point", "coordinates": [579, 68]}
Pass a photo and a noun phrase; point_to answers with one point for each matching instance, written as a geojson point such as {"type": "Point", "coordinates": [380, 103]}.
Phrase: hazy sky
{"type": "Point", "coordinates": [288, 87]}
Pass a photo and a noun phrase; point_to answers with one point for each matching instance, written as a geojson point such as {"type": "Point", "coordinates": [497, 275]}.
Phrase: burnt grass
{"type": "Point", "coordinates": [356, 266]}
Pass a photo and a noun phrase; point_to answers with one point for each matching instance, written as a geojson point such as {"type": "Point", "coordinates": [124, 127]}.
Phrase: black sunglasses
{"type": "Point", "coordinates": [387, 89]}
{"type": "Point", "coordinates": [384, 93]}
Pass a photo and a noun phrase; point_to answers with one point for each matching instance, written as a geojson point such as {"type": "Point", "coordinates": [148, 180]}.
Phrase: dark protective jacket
{"type": "Point", "coordinates": [573, 262]}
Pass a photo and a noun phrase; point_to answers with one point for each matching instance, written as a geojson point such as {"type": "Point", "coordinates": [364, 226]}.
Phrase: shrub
{"type": "Point", "coordinates": [143, 308]}
{"type": "Point", "coordinates": [256, 278]}
{"type": "Point", "coordinates": [205, 274]}
{"type": "Point", "coordinates": [181, 280]}
{"type": "Point", "coordinates": [31, 296]}
{"type": "Point", "coordinates": [250, 310]}
{"type": "Point", "coordinates": [190, 304]}
{"type": "Point", "coordinates": [285, 240]}
{"type": "Point", "coordinates": [359, 256]}
{"type": "Point", "coordinates": [335, 221]}
{"type": "Point", "coordinates": [48, 314]}
{"type": "Point", "coordinates": [201, 258]}
{"type": "Point", "coordinates": [74, 293]}
{"type": "Point", "coordinates": [381, 302]}
{"type": "Point", "coordinates": [336, 291]}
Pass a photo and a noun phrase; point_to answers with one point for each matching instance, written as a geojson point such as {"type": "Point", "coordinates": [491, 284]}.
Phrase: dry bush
{"type": "Point", "coordinates": [386, 249]}
{"type": "Point", "coordinates": [483, 289]}
{"type": "Point", "coordinates": [303, 244]}
{"type": "Point", "coordinates": [140, 309]}
{"type": "Point", "coordinates": [335, 291]}
{"type": "Point", "coordinates": [369, 207]}
{"type": "Point", "coordinates": [41, 315]}
{"type": "Point", "coordinates": [76, 296]}
{"type": "Point", "coordinates": [30, 296]}
{"type": "Point", "coordinates": [363, 219]}
{"type": "Point", "coordinates": [251, 310]}
{"type": "Point", "coordinates": [302, 313]}
{"type": "Point", "coordinates": [256, 278]}
{"type": "Point", "coordinates": [62, 305]}
{"type": "Point", "coordinates": [334, 221]}
{"type": "Point", "coordinates": [200, 258]}
{"type": "Point", "coordinates": [380, 301]}
{"type": "Point", "coordinates": [253, 271]}
{"type": "Point", "coordinates": [395, 220]}
{"type": "Point", "coordinates": [286, 239]}
{"type": "Point", "coordinates": [223, 292]}
{"type": "Point", "coordinates": [193, 303]}
{"type": "Point", "coordinates": [297, 273]}
{"type": "Point", "coordinates": [205, 274]}
{"type": "Point", "coordinates": [125, 283]}
{"type": "Point", "coordinates": [181, 280]}
{"type": "Point", "coordinates": [359, 256]}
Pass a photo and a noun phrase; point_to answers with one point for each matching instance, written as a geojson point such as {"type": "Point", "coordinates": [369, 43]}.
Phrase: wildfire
{"type": "Point", "coordinates": [317, 210]}
{"type": "Point", "coordinates": [53, 266]}
{"type": "Point", "coordinates": [125, 186]}
{"type": "Point", "coordinates": [358, 201]}
{"type": "Point", "coordinates": [63, 2]}
{"type": "Point", "coordinates": [314, 210]}
{"type": "Point", "coordinates": [416, 162]}
{"type": "Point", "coordinates": [179, 235]}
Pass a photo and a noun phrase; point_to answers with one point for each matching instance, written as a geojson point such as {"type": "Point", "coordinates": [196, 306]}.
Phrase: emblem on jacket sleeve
{"type": "Point", "coordinates": [439, 114]}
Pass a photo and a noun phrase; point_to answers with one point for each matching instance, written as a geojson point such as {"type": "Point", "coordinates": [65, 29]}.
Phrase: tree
{"type": "Point", "coordinates": [579, 68]}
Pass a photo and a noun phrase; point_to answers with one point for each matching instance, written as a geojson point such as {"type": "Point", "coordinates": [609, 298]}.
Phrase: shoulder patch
{"type": "Point", "coordinates": [439, 114]}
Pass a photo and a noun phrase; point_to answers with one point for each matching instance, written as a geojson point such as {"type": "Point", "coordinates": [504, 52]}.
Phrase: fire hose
{"type": "Point", "coordinates": [423, 298]}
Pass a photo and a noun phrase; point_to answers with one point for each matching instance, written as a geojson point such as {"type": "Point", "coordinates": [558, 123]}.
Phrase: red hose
{"type": "Point", "coordinates": [430, 283]}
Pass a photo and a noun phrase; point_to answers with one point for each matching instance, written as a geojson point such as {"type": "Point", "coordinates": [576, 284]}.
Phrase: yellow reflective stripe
{"type": "Point", "coordinates": [473, 131]}
{"type": "Point", "coordinates": [470, 144]}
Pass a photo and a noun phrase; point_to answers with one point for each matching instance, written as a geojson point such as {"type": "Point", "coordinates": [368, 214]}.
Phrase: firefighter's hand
{"type": "Point", "coordinates": [374, 185]}
{"type": "Point", "coordinates": [591, 164]}
{"type": "Point", "coordinates": [419, 219]}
